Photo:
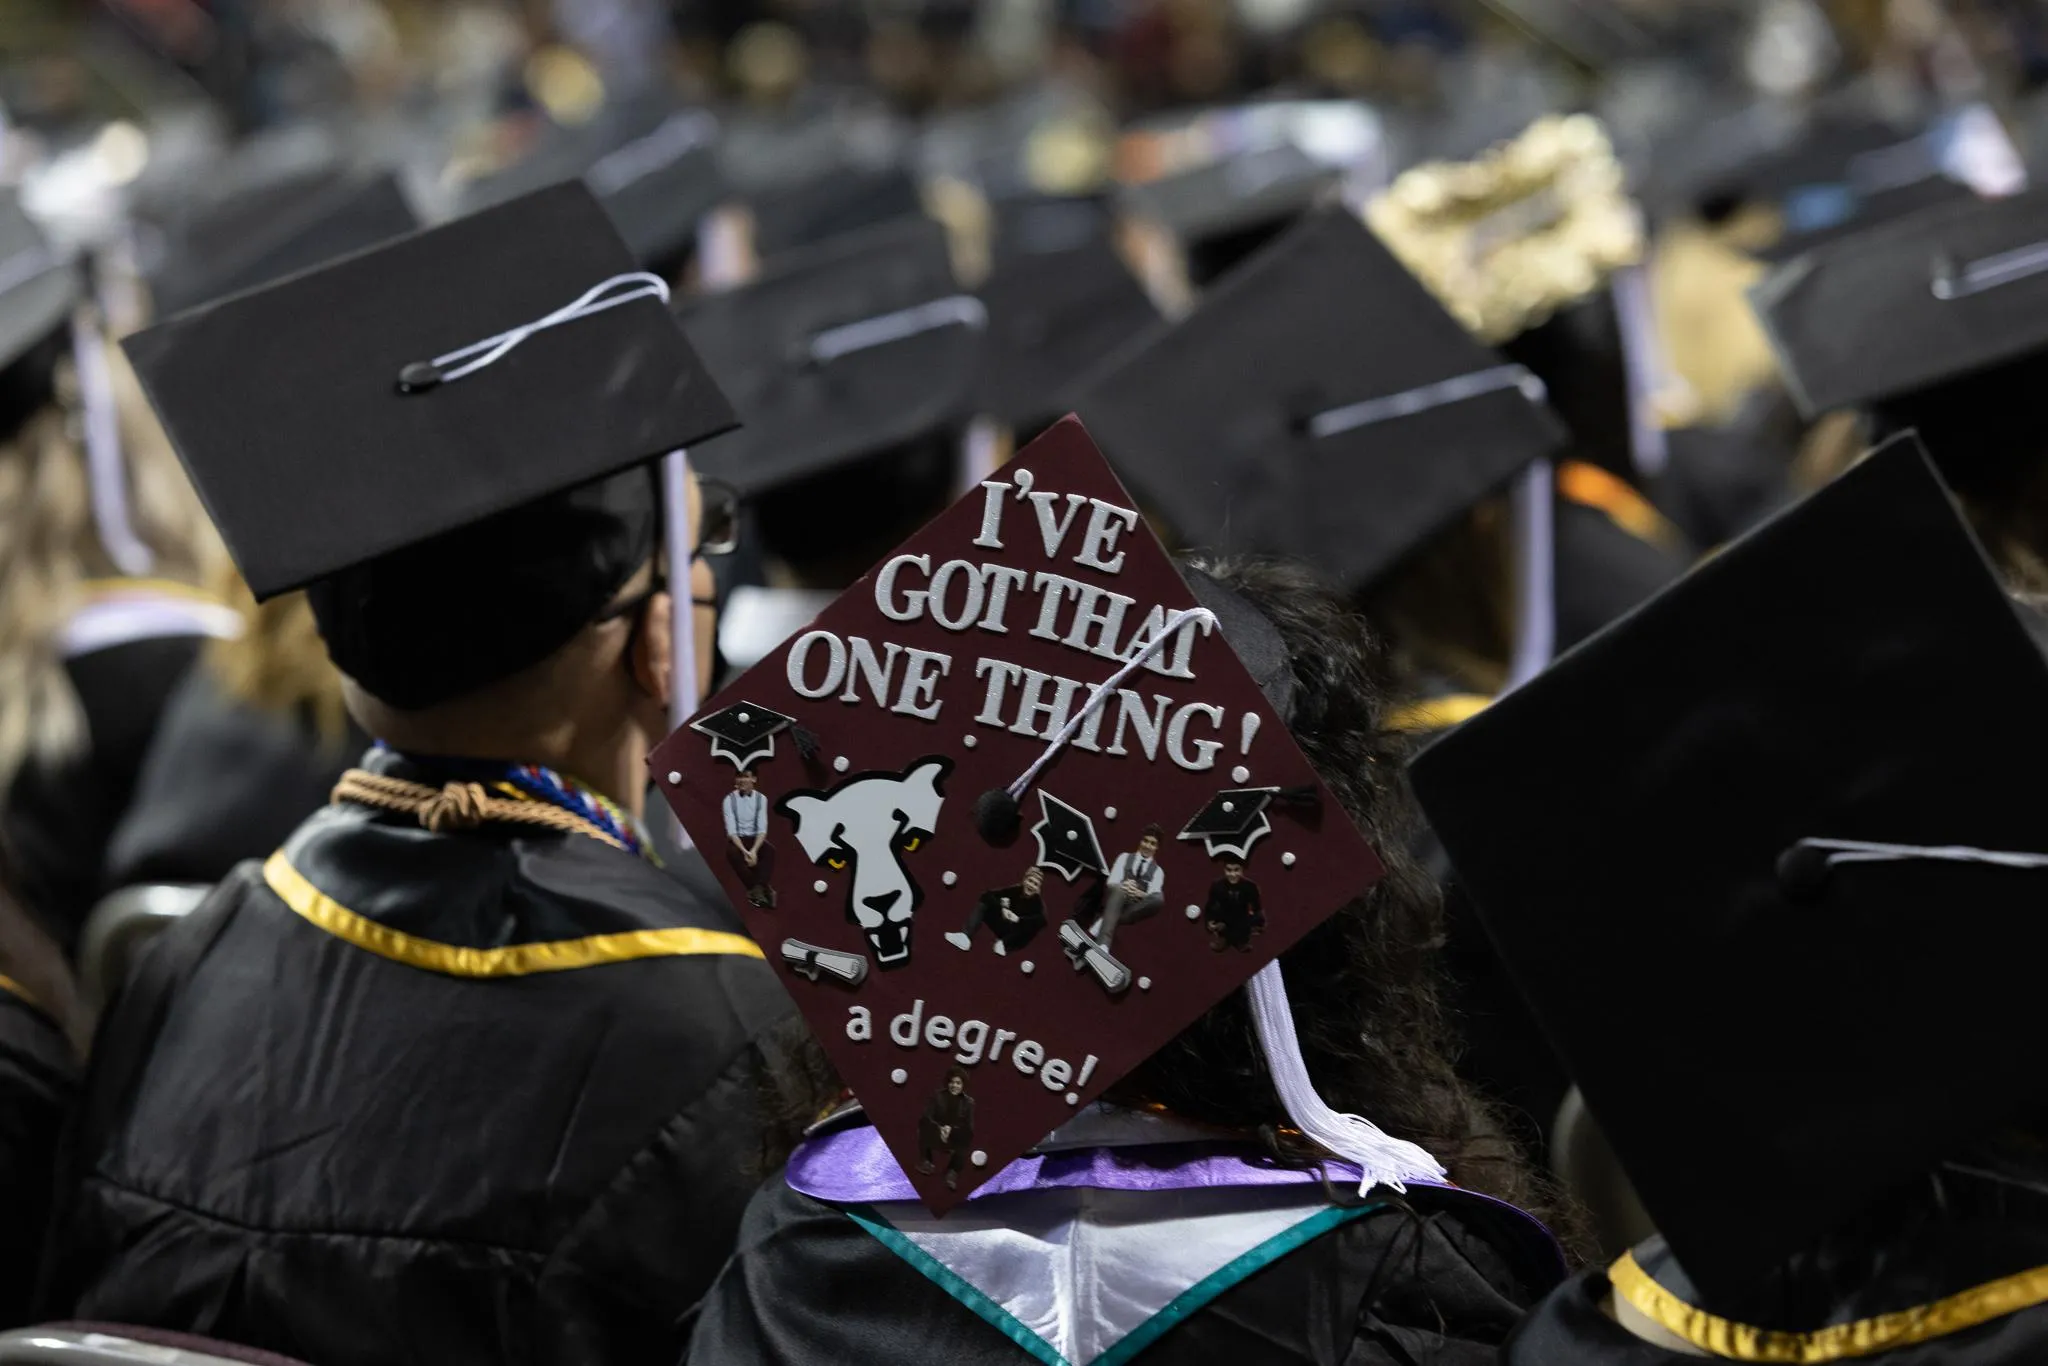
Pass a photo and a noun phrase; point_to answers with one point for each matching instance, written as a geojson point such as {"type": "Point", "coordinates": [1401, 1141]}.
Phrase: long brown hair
{"type": "Point", "coordinates": [50, 553]}
{"type": "Point", "coordinates": [279, 662]}
{"type": "Point", "coordinates": [1364, 984]}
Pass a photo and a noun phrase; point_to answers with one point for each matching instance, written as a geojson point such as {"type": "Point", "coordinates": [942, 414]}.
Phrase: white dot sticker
{"type": "Point", "coordinates": [1028, 966]}
{"type": "Point", "coordinates": [1229, 807]}
{"type": "Point", "coordinates": [840, 765]}
{"type": "Point", "coordinates": [1194, 912]}
{"type": "Point", "coordinates": [820, 887]}
{"type": "Point", "coordinates": [899, 1076]}
{"type": "Point", "coordinates": [1073, 1097]}
{"type": "Point", "coordinates": [1287, 860]}
{"type": "Point", "coordinates": [949, 877]}
{"type": "Point", "coordinates": [1109, 813]}
{"type": "Point", "coordinates": [674, 777]}
{"type": "Point", "coordinates": [1073, 834]}
{"type": "Point", "coordinates": [746, 716]}
{"type": "Point", "coordinates": [1144, 984]}
{"type": "Point", "coordinates": [1240, 774]}
{"type": "Point", "coordinates": [980, 1158]}
{"type": "Point", "coordinates": [970, 741]}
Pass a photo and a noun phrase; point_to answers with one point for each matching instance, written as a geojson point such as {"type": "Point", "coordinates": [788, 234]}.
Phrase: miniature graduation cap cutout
{"type": "Point", "coordinates": [1239, 817]}
{"type": "Point", "coordinates": [1034, 638]}
{"type": "Point", "coordinates": [742, 733]}
{"type": "Point", "coordinates": [1066, 837]}
{"type": "Point", "coordinates": [1373, 421]}
{"type": "Point", "coordinates": [1835, 906]}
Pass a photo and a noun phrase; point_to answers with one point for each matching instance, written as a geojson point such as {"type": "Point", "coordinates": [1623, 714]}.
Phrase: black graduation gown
{"type": "Point", "coordinates": [37, 1083]}
{"type": "Point", "coordinates": [222, 782]}
{"type": "Point", "coordinates": [57, 820]}
{"type": "Point", "coordinates": [393, 1096]}
{"type": "Point", "coordinates": [1965, 1289]}
{"type": "Point", "coordinates": [1443, 1285]}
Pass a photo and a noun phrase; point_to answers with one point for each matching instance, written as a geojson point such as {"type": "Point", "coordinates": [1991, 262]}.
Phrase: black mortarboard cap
{"type": "Point", "coordinates": [659, 184]}
{"type": "Point", "coordinates": [1052, 319]}
{"type": "Point", "coordinates": [1742, 1041]}
{"type": "Point", "coordinates": [843, 351]}
{"type": "Point", "coordinates": [1223, 211]}
{"type": "Point", "coordinates": [278, 230]}
{"type": "Point", "coordinates": [463, 530]}
{"type": "Point", "coordinates": [840, 201]}
{"type": "Point", "coordinates": [655, 170]}
{"type": "Point", "coordinates": [742, 733]}
{"type": "Point", "coordinates": [1912, 304]}
{"type": "Point", "coordinates": [1034, 225]}
{"type": "Point", "coordinates": [38, 288]}
{"type": "Point", "coordinates": [1318, 404]}
{"type": "Point", "coordinates": [1938, 322]}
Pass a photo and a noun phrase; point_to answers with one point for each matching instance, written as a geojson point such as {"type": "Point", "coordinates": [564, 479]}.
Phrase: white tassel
{"type": "Point", "coordinates": [1535, 577]}
{"type": "Point", "coordinates": [1383, 1160]}
{"type": "Point", "coordinates": [675, 477]}
{"type": "Point", "coordinates": [106, 470]}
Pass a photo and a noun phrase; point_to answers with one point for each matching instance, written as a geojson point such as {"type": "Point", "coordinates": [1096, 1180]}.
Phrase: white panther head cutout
{"type": "Point", "coordinates": [871, 821]}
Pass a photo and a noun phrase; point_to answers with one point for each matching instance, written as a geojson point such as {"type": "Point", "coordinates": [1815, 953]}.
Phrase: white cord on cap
{"type": "Point", "coordinates": [642, 157]}
{"type": "Point", "coordinates": [490, 350]}
{"type": "Point", "coordinates": [1382, 1159]}
{"type": "Point", "coordinates": [1132, 663]}
{"type": "Point", "coordinates": [1458, 388]}
{"type": "Point", "coordinates": [1867, 851]}
{"type": "Point", "coordinates": [106, 471]}
{"type": "Point", "coordinates": [956, 310]}
{"type": "Point", "coordinates": [1989, 273]}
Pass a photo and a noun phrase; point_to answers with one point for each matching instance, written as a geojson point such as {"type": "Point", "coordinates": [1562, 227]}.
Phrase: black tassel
{"type": "Point", "coordinates": [1309, 796]}
{"type": "Point", "coordinates": [806, 743]}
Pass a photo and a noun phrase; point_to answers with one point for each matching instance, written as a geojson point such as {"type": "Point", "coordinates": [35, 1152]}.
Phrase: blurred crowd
{"type": "Point", "coordinates": [1606, 430]}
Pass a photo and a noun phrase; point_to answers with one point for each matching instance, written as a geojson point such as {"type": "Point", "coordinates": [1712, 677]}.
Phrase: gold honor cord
{"type": "Point", "coordinates": [515, 960]}
{"type": "Point", "coordinates": [1733, 1341]}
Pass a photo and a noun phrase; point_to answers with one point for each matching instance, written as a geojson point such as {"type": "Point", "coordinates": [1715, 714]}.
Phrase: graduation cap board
{"type": "Point", "coordinates": [1053, 318]}
{"type": "Point", "coordinates": [657, 173]}
{"type": "Point", "coordinates": [1740, 1013]}
{"type": "Point", "coordinates": [840, 352]}
{"type": "Point", "coordinates": [268, 235]}
{"type": "Point", "coordinates": [1910, 305]}
{"type": "Point", "coordinates": [1234, 194]}
{"type": "Point", "coordinates": [944, 675]}
{"type": "Point", "coordinates": [1318, 404]}
{"type": "Point", "coordinates": [842, 200]}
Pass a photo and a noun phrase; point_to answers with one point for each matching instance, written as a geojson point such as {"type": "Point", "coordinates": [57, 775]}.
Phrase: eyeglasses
{"type": "Point", "coordinates": [718, 517]}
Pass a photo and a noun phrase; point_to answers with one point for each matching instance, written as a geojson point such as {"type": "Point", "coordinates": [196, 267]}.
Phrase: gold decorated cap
{"type": "Point", "coordinates": [1504, 241]}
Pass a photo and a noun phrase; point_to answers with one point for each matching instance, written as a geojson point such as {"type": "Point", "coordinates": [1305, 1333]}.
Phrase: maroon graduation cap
{"type": "Point", "coordinates": [990, 899]}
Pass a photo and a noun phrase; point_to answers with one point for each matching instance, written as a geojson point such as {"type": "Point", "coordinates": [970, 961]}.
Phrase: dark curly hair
{"type": "Point", "coordinates": [1364, 984]}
